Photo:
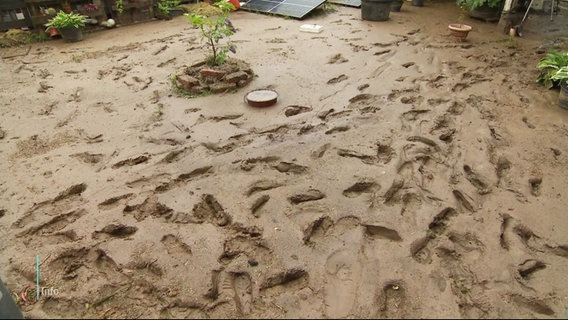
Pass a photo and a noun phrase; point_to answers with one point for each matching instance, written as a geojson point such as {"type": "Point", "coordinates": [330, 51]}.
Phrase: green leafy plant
{"type": "Point", "coordinates": [119, 6]}
{"type": "Point", "coordinates": [553, 69]}
{"type": "Point", "coordinates": [165, 6]}
{"type": "Point", "coordinates": [474, 4]}
{"type": "Point", "coordinates": [66, 20]}
{"type": "Point", "coordinates": [561, 75]}
{"type": "Point", "coordinates": [213, 28]}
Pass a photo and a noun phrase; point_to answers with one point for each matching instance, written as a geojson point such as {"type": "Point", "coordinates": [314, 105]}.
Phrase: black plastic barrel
{"type": "Point", "coordinates": [375, 10]}
{"type": "Point", "coordinates": [563, 97]}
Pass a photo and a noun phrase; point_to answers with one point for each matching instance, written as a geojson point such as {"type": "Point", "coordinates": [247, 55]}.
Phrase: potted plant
{"type": "Point", "coordinates": [554, 73]}
{"type": "Point", "coordinates": [68, 24]}
{"type": "Point", "coordinates": [460, 30]}
{"type": "Point", "coordinates": [488, 10]}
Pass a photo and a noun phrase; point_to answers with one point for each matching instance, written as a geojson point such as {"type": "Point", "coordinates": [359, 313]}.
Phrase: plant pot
{"type": "Point", "coordinates": [71, 34]}
{"type": "Point", "coordinates": [396, 5]}
{"type": "Point", "coordinates": [418, 3]}
{"type": "Point", "coordinates": [459, 31]}
{"type": "Point", "coordinates": [53, 33]}
{"type": "Point", "coordinates": [563, 97]}
{"type": "Point", "coordinates": [375, 10]}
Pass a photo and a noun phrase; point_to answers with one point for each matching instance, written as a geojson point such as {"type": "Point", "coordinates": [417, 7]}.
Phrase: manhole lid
{"type": "Point", "coordinates": [261, 98]}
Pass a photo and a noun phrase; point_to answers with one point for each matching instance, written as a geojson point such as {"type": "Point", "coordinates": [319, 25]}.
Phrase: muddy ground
{"type": "Point", "coordinates": [401, 174]}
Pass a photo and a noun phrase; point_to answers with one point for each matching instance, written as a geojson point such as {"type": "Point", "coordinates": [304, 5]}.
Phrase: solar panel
{"type": "Point", "coordinates": [290, 8]}
{"type": "Point", "coordinates": [349, 3]}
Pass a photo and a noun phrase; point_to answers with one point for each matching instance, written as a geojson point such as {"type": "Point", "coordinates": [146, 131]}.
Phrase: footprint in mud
{"type": "Point", "coordinates": [385, 153]}
{"type": "Point", "coordinates": [363, 101]}
{"type": "Point", "coordinates": [419, 250]}
{"type": "Point", "coordinates": [150, 207]}
{"type": "Point", "coordinates": [343, 272]}
{"type": "Point", "coordinates": [463, 200]}
{"type": "Point", "coordinates": [367, 159]}
{"type": "Point", "coordinates": [258, 204]}
{"type": "Point", "coordinates": [253, 247]}
{"type": "Point", "coordinates": [317, 229]}
{"type": "Point", "coordinates": [477, 181]}
{"type": "Point", "coordinates": [533, 304]}
{"type": "Point", "coordinates": [310, 195]}
{"type": "Point", "coordinates": [337, 58]}
{"type": "Point", "coordinates": [174, 155]}
{"type": "Point", "coordinates": [249, 164]}
{"type": "Point", "coordinates": [263, 185]}
{"type": "Point", "coordinates": [338, 129]}
{"type": "Point", "coordinates": [502, 167]}
{"type": "Point", "coordinates": [410, 116]}
{"type": "Point", "coordinates": [337, 79]}
{"type": "Point", "coordinates": [296, 110]}
{"type": "Point", "coordinates": [88, 157]}
{"type": "Point", "coordinates": [466, 241]}
{"type": "Point", "coordinates": [363, 186]}
{"type": "Point", "coordinates": [528, 267]}
{"type": "Point", "coordinates": [241, 285]}
{"type": "Point", "coordinates": [380, 232]}
{"type": "Point", "coordinates": [290, 167]}
{"type": "Point", "coordinates": [131, 161]}
{"type": "Point", "coordinates": [319, 152]}
{"type": "Point", "coordinates": [115, 230]}
{"type": "Point", "coordinates": [83, 262]}
{"type": "Point", "coordinates": [392, 300]}
{"type": "Point", "coordinates": [456, 108]}
{"type": "Point", "coordinates": [534, 184]}
{"type": "Point", "coordinates": [332, 114]}
{"type": "Point", "coordinates": [66, 200]}
{"type": "Point", "coordinates": [390, 195]}
{"type": "Point", "coordinates": [52, 227]}
{"type": "Point", "coordinates": [114, 201]}
{"type": "Point", "coordinates": [176, 247]}
{"type": "Point", "coordinates": [210, 210]}
{"type": "Point", "coordinates": [447, 135]}
{"type": "Point", "coordinates": [294, 278]}
{"type": "Point", "coordinates": [227, 147]}
{"type": "Point", "coordinates": [440, 221]}
{"type": "Point", "coordinates": [184, 178]}
{"type": "Point", "coordinates": [413, 100]}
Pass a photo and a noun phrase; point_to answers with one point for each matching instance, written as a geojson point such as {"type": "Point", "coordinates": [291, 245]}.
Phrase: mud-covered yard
{"type": "Point", "coordinates": [401, 174]}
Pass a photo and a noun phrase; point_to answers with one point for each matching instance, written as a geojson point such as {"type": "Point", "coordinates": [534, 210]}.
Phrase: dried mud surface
{"type": "Point", "coordinates": [401, 174]}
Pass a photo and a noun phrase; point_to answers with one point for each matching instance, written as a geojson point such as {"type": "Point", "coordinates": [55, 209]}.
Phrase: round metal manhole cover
{"type": "Point", "coordinates": [261, 98]}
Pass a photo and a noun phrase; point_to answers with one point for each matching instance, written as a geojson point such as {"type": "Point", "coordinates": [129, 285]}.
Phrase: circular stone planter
{"type": "Point", "coordinates": [201, 78]}
{"type": "Point", "coordinates": [459, 31]}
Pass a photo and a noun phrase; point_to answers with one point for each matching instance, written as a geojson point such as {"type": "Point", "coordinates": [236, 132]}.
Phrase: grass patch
{"type": "Point", "coordinates": [17, 37]}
